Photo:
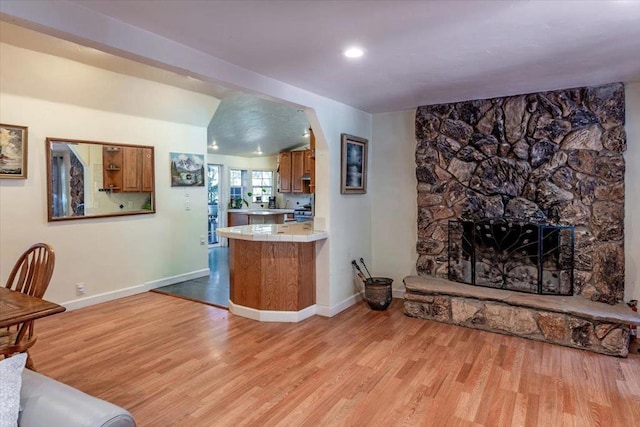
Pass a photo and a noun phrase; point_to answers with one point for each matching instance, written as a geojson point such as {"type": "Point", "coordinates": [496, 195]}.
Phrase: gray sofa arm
{"type": "Point", "coordinates": [46, 402]}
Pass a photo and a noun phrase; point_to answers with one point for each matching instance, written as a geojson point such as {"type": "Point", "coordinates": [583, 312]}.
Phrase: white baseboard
{"type": "Point", "coordinates": [261, 315]}
{"type": "Point", "coordinates": [177, 279]}
{"type": "Point", "coordinates": [272, 316]}
{"type": "Point", "coordinates": [133, 290]}
{"type": "Point", "coordinates": [325, 311]}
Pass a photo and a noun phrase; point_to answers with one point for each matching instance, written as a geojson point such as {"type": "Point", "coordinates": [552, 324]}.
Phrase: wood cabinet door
{"type": "Point", "coordinates": [147, 170]}
{"type": "Point", "coordinates": [297, 169]}
{"type": "Point", "coordinates": [131, 167]}
{"type": "Point", "coordinates": [236, 219]}
{"type": "Point", "coordinates": [308, 162]}
{"type": "Point", "coordinates": [284, 172]}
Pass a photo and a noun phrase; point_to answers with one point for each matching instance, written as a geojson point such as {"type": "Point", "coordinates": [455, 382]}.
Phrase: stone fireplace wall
{"type": "Point", "coordinates": [550, 157]}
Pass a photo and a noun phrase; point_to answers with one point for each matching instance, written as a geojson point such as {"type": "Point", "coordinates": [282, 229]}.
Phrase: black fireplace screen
{"type": "Point", "coordinates": [507, 254]}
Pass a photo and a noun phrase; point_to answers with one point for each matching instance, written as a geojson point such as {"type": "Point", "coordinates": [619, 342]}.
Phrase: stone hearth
{"type": "Point", "coordinates": [570, 321]}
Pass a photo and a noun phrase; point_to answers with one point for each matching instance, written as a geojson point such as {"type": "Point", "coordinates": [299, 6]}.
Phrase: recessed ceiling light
{"type": "Point", "coordinates": [353, 52]}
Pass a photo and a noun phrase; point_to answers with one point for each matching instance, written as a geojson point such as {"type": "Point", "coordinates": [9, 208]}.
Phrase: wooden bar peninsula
{"type": "Point", "coordinates": [272, 273]}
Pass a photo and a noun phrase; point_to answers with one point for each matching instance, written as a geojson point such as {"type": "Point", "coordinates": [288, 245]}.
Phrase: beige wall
{"type": "Point", "coordinates": [328, 118]}
{"type": "Point", "coordinates": [112, 256]}
{"type": "Point", "coordinates": [632, 201]}
{"type": "Point", "coordinates": [394, 203]}
{"type": "Point", "coordinates": [394, 211]}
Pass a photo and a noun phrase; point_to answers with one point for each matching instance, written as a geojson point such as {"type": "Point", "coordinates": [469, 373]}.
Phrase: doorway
{"type": "Point", "coordinates": [214, 172]}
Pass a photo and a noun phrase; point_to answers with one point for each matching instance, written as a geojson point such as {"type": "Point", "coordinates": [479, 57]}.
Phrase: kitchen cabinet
{"type": "Point", "coordinates": [234, 219]}
{"type": "Point", "coordinates": [297, 170]}
{"type": "Point", "coordinates": [147, 170]}
{"type": "Point", "coordinates": [257, 216]}
{"type": "Point", "coordinates": [308, 162]}
{"type": "Point", "coordinates": [128, 169]}
{"type": "Point", "coordinates": [310, 171]}
{"type": "Point", "coordinates": [284, 172]}
{"type": "Point", "coordinates": [131, 168]}
{"type": "Point", "coordinates": [293, 165]}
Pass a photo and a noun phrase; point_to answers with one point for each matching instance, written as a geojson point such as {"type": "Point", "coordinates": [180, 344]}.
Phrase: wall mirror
{"type": "Point", "coordinates": [88, 179]}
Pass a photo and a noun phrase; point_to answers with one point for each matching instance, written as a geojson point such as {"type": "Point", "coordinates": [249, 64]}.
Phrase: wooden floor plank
{"type": "Point", "coordinates": [174, 362]}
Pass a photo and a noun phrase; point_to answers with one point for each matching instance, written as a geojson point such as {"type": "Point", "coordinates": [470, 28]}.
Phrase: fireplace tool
{"type": "Point", "coordinates": [360, 274]}
{"type": "Point", "coordinates": [365, 267]}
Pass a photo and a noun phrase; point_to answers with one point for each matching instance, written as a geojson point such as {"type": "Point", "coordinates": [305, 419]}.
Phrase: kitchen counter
{"type": "Point", "coordinates": [261, 211]}
{"type": "Point", "coordinates": [237, 217]}
{"type": "Point", "coordinates": [295, 232]}
{"type": "Point", "coordinates": [272, 270]}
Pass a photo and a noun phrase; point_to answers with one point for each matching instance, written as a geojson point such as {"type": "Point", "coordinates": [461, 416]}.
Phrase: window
{"type": "Point", "coordinates": [237, 183]}
{"type": "Point", "coordinates": [262, 183]}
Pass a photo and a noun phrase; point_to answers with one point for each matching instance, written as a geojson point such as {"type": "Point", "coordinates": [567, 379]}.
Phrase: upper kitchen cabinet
{"type": "Point", "coordinates": [284, 172]}
{"type": "Point", "coordinates": [296, 171]}
{"type": "Point", "coordinates": [146, 182]}
{"type": "Point", "coordinates": [137, 169]}
{"type": "Point", "coordinates": [307, 162]}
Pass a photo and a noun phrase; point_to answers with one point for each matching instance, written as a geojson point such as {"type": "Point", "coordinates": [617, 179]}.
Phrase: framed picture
{"type": "Point", "coordinates": [13, 151]}
{"type": "Point", "coordinates": [187, 170]}
{"type": "Point", "coordinates": [353, 179]}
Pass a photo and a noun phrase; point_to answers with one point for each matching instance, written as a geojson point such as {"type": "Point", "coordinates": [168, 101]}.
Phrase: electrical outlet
{"type": "Point", "coordinates": [129, 204]}
{"type": "Point", "coordinates": [80, 288]}
{"type": "Point", "coordinates": [187, 205]}
{"type": "Point", "coordinates": [203, 240]}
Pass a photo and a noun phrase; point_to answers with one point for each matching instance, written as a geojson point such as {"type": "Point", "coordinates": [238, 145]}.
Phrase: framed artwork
{"type": "Point", "coordinates": [353, 178]}
{"type": "Point", "coordinates": [13, 151]}
{"type": "Point", "coordinates": [187, 170]}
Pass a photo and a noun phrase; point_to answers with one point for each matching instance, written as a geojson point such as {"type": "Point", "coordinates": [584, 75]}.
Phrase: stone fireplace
{"type": "Point", "coordinates": [505, 185]}
{"type": "Point", "coordinates": [544, 158]}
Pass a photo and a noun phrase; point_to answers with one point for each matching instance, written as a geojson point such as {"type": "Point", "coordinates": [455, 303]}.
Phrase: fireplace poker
{"type": "Point", "coordinates": [360, 274]}
{"type": "Point", "coordinates": [365, 267]}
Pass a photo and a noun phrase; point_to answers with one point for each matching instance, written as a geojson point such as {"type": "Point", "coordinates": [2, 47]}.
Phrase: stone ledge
{"type": "Point", "coordinates": [599, 329]}
{"type": "Point", "coordinates": [575, 305]}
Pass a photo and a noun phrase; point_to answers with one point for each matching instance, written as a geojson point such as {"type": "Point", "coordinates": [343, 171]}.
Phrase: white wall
{"type": "Point", "coordinates": [394, 208]}
{"type": "Point", "coordinates": [632, 201]}
{"type": "Point", "coordinates": [109, 254]}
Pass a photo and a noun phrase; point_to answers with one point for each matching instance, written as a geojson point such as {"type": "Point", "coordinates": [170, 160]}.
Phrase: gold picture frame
{"type": "Point", "coordinates": [353, 179]}
{"type": "Point", "coordinates": [13, 151]}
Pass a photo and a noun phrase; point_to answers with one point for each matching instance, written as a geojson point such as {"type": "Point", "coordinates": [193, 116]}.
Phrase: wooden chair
{"type": "Point", "coordinates": [30, 275]}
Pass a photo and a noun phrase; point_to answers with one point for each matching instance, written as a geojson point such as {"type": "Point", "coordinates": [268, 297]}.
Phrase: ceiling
{"type": "Point", "coordinates": [244, 124]}
{"type": "Point", "coordinates": [416, 53]}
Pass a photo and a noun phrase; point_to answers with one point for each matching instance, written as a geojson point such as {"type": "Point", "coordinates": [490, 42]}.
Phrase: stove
{"type": "Point", "coordinates": [303, 214]}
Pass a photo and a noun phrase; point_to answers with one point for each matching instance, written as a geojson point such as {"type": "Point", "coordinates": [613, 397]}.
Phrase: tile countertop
{"type": "Point", "coordinates": [298, 232]}
{"type": "Point", "coordinates": [261, 211]}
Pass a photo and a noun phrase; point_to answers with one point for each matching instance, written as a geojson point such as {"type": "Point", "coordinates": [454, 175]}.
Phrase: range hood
{"type": "Point", "coordinates": [306, 177]}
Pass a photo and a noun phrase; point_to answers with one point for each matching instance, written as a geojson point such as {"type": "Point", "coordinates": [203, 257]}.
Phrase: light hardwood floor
{"type": "Point", "coordinates": [174, 362]}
